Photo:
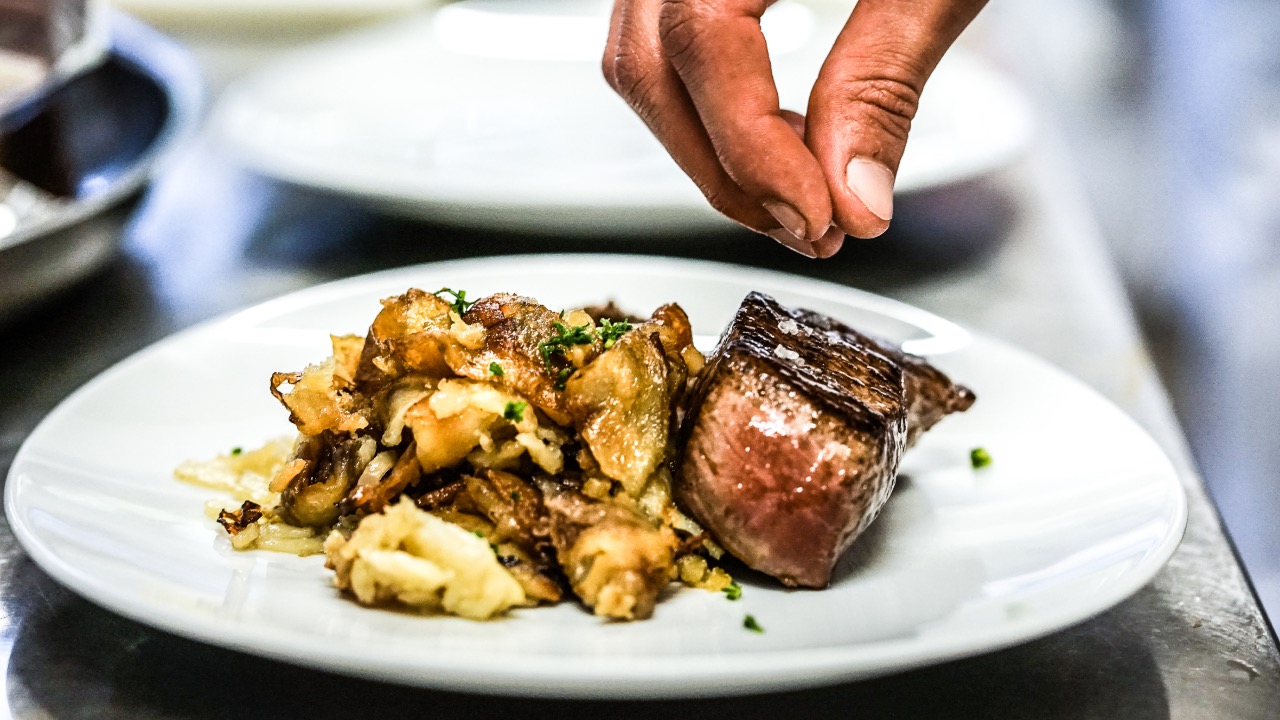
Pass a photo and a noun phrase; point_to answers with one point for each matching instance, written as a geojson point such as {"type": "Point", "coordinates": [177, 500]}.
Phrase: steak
{"type": "Point", "coordinates": [794, 434]}
{"type": "Point", "coordinates": [930, 394]}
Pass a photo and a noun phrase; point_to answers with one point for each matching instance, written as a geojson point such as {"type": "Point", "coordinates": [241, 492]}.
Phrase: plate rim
{"type": "Point", "coordinates": [637, 677]}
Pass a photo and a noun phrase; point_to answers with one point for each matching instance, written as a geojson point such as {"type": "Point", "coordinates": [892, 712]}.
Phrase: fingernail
{"type": "Point", "coordinates": [800, 245]}
{"type": "Point", "coordinates": [790, 218]}
{"type": "Point", "coordinates": [873, 184]}
{"type": "Point", "coordinates": [830, 242]}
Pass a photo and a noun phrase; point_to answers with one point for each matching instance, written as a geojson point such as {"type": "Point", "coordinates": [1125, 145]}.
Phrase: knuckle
{"type": "Point", "coordinates": [717, 199]}
{"type": "Point", "coordinates": [886, 102]}
{"type": "Point", "coordinates": [722, 198]}
{"type": "Point", "coordinates": [633, 79]}
{"type": "Point", "coordinates": [731, 203]}
{"type": "Point", "coordinates": [681, 26]}
{"type": "Point", "coordinates": [609, 68]}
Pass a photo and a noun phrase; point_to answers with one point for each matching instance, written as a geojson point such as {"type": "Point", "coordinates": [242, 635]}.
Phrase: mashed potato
{"type": "Point", "coordinates": [409, 556]}
{"type": "Point", "coordinates": [245, 475]}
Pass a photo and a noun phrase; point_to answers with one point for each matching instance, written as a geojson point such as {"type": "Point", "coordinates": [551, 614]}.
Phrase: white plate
{"type": "Point", "coordinates": [495, 113]}
{"type": "Point", "coordinates": [1078, 511]}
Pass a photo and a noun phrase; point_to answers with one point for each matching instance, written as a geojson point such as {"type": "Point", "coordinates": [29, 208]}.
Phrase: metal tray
{"type": "Point", "coordinates": [81, 152]}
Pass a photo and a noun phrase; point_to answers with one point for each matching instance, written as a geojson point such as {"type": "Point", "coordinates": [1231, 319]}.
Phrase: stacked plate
{"type": "Point", "coordinates": [246, 14]}
{"type": "Point", "coordinates": [494, 113]}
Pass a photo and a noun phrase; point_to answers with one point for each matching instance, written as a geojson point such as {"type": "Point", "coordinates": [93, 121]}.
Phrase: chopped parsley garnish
{"type": "Point", "coordinates": [496, 370]}
{"type": "Point", "coordinates": [514, 411]}
{"type": "Point", "coordinates": [565, 336]}
{"type": "Point", "coordinates": [515, 496]}
{"type": "Point", "coordinates": [749, 622]}
{"type": "Point", "coordinates": [236, 450]}
{"type": "Point", "coordinates": [492, 546]}
{"type": "Point", "coordinates": [562, 377]}
{"type": "Point", "coordinates": [733, 591]}
{"type": "Point", "coordinates": [460, 303]}
{"type": "Point", "coordinates": [610, 331]}
{"type": "Point", "coordinates": [979, 458]}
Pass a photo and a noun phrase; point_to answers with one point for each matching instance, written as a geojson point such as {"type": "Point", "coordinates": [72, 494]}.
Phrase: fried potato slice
{"type": "Point", "coordinates": [517, 338]}
{"type": "Point", "coordinates": [621, 403]}
{"type": "Point", "coordinates": [463, 416]}
{"type": "Point", "coordinates": [330, 466]}
{"type": "Point", "coordinates": [616, 561]}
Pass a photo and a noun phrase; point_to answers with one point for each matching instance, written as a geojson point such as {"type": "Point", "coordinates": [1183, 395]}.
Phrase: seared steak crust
{"type": "Point", "coordinates": [930, 394]}
{"type": "Point", "coordinates": [794, 435]}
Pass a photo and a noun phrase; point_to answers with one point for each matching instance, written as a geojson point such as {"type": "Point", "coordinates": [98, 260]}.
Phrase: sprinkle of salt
{"type": "Point", "coordinates": [788, 354]}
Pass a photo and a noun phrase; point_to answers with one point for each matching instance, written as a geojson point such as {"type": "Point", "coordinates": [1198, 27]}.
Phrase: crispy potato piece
{"type": "Point", "coordinates": [347, 350]}
{"type": "Point", "coordinates": [672, 317]}
{"type": "Point", "coordinates": [487, 425]}
{"type": "Point", "coordinates": [521, 529]}
{"type": "Point", "coordinates": [621, 403]}
{"type": "Point", "coordinates": [320, 400]}
{"type": "Point", "coordinates": [332, 465]}
{"type": "Point", "coordinates": [615, 560]}
{"type": "Point", "coordinates": [410, 335]}
{"type": "Point", "coordinates": [516, 328]}
{"type": "Point", "coordinates": [374, 497]}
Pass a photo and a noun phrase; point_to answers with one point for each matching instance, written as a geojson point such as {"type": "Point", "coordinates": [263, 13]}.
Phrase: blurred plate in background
{"type": "Point", "coordinates": [185, 14]}
{"type": "Point", "coordinates": [492, 113]}
{"type": "Point", "coordinates": [81, 151]}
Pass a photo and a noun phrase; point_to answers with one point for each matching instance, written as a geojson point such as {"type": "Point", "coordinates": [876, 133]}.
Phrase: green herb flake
{"type": "Point", "coordinates": [496, 370]}
{"type": "Point", "coordinates": [514, 411]}
{"type": "Point", "coordinates": [979, 458]}
{"type": "Point", "coordinates": [237, 451]}
{"type": "Point", "coordinates": [749, 622]}
{"type": "Point", "coordinates": [460, 303]}
{"type": "Point", "coordinates": [610, 331]}
{"type": "Point", "coordinates": [733, 591]}
{"type": "Point", "coordinates": [563, 377]}
{"type": "Point", "coordinates": [565, 336]}
{"type": "Point", "coordinates": [515, 496]}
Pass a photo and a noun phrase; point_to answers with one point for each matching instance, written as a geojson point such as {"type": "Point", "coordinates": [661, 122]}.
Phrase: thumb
{"type": "Point", "coordinates": [866, 95]}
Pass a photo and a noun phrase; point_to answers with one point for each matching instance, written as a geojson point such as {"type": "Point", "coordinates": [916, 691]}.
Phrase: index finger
{"type": "Point", "coordinates": [636, 66]}
{"type": "Point", "coordinates": [718, 51]}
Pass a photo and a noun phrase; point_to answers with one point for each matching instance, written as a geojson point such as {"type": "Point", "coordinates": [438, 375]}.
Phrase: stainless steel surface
{"type": "Point", "coordinates": [1172, 110]}
{"type": "Point", "coordinates": [82, 150]}
{"type": "Point", "coordinates": [45, 42]}
{"type": "Point", "coordinates": [210, 239]}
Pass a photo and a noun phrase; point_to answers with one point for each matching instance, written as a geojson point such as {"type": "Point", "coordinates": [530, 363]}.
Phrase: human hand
{"type": "Point", "coordinates": [698, 73]}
